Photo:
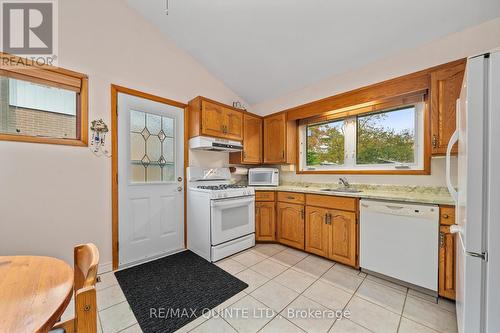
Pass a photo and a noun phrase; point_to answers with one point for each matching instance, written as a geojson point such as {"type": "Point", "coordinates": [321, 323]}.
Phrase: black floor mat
{"type": "Point", "coordinates": [168, 293]}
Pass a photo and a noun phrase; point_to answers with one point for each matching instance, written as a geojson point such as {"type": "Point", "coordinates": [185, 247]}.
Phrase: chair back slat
{"type": "Point", "coordinates": [86, 258]}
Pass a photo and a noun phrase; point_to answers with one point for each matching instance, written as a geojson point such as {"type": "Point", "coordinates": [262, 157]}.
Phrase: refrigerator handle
{"type": "Point", "coordinates": [453, 140]}
{"type": "Point", "coordinates": [451, 189]}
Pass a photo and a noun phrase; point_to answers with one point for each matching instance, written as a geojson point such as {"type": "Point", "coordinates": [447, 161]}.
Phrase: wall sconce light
{"type": "Point", "coordinates": [97, 144]}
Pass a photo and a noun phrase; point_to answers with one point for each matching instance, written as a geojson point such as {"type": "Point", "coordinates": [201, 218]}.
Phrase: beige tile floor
{"type": "Point", "coordinates": [282, 281]}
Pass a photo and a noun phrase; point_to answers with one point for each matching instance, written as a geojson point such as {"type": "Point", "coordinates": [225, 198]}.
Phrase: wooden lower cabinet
{"type": "Point", "coordinates": [331, 234]}
{"type": "Point", "coordinates": [447, 262]}
{"type": "Point", "coordinates": [290, 223]}
{"type": "Point", "coordinates": [343, 242]}
{"type": "Point", "coordinates": [265, 224]}
{"type": "Point", "coordinates": [317, 236]}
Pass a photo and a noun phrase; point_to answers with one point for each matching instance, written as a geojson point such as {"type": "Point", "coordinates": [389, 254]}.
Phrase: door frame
{"type": "Point", "coordinates": [115, 89]}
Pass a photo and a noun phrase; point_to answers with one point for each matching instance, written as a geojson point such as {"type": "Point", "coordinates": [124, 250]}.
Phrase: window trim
{"type": "Point", "coordinates": [424, 140]}
{"type": "Point", "coordinates": [21, 68]}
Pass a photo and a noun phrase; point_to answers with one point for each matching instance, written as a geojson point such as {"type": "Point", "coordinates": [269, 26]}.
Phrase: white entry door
{"type": "Point", "coordinates": [150, 183]}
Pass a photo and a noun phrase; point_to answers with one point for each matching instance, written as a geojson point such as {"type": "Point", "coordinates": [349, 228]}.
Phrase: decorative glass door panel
{"type": "Point", "coordinates": [152, 153]}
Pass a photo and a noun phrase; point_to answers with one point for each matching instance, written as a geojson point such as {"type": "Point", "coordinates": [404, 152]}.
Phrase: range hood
{"type": "Point", "coordinates": [214, 144]}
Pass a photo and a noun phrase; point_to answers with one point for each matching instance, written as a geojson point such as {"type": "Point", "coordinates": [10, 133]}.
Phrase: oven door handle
{"type": "Point", "coordinates": [238, 201]}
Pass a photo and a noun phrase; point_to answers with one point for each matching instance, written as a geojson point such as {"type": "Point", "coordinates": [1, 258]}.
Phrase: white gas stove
{"type": "Point", "coordinates": [220, 215]}
{"type": "Point", "coordinates": [222, 191]}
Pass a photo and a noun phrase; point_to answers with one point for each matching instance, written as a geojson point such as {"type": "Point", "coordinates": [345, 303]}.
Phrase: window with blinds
{"type": "Point", "coordinates": [42, 104]}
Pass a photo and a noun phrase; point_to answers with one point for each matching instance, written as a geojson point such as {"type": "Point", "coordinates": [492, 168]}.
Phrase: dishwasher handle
{"type": "Point", "coordinates": [397, 209]}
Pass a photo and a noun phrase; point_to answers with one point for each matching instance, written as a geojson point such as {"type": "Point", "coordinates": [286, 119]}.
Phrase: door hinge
{"type": "Point", "coordinates": [441, 239]}
{"type": "Point", "coordinates": [434, 141]}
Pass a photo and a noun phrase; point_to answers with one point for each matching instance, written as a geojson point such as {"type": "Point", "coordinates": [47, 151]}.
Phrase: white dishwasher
{"type": "Point", "coordinates": [400, 240]}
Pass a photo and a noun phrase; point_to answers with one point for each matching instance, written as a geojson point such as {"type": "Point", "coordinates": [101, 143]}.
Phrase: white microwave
{"type": "Point", "coordinates": [263, 177]}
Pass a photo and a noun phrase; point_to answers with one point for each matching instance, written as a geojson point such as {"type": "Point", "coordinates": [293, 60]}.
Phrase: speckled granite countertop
{"type": "Point", "coordinates": [415, 194]}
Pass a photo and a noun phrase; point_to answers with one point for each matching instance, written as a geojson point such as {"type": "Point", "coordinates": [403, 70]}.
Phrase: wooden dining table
{"type": "Point", "coordinates": [34, 292]}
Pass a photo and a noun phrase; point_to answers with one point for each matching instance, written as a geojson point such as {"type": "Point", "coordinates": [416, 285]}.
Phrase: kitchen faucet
{"type": "Point", "coordinates": [343, 181]}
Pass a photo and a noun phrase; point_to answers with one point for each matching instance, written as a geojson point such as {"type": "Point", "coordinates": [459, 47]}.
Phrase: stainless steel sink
{"type": "Point", "coordinates": [342, 190]}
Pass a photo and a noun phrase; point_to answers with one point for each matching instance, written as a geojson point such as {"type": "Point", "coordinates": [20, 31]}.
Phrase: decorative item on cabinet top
{"type": "Point", "coordinates": [239, 105]}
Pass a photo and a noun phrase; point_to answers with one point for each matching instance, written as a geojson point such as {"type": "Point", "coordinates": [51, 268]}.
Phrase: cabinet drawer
{"type": "Point", "coordinates": [447, 215]}
{"type": "Point", "coordinates": [291, 197]}
{"type": "Point", "coordinates": [264, 196]}
{"type": "Point", "coordinates": [328, 201]}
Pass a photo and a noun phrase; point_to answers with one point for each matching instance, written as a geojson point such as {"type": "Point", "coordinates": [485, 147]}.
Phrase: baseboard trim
{"type": "Point", "coordinates": [105, 267]}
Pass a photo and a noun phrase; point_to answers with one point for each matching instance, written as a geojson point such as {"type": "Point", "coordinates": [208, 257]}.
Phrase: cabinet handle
{"type": "Point", "coordinates": [445, 216]}
{"type": "Point", "coordinates": [283, 154]}
{"type": "Point", "coordinates": [302, 214]}
{"type": "Point", "coordinates": [326, 218]}
{"type": "Point", "coordinates": [329, 218]}
{"type": "Point", "coordinates": [434, 141]}
{"type": "Point", "coordinates": [441, 239]}
{"type": "Point", "coordinates": [290, 197]}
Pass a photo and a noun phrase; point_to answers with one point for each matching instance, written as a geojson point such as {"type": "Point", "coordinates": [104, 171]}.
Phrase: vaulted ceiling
{"type": "Point", "coordinates": [264, 48]}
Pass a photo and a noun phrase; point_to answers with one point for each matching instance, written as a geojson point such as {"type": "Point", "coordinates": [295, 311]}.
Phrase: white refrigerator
{"type": "Point", "coordinates": [478, 196]}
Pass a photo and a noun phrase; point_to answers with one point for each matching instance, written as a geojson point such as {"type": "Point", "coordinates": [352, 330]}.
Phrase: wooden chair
{"type": "Point", "coordinates": [86, 259]}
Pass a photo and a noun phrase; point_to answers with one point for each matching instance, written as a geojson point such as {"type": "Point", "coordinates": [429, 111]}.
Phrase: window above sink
{"type": "Point", "coordinates": [383, 138]}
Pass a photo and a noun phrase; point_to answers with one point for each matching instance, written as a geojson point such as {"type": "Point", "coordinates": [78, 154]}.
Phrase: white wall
{"type": "Point", "coordinates": [472, 41]}
{"type": "Point", "coordinates": [53, 197]}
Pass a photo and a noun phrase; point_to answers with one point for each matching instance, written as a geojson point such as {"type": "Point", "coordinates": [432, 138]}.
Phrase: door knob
{"type": "Point", "coordinates": [179, 188]}
{"type": "Point", "coordinates": [179, 179]}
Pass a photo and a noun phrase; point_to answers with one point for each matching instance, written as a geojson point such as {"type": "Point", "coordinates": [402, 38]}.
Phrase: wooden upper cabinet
{"type": "Point", "coordinates": [317, 235]}
{"type": "Point", "coordinates": [447, 262]}
{"type": "Point", "coordinates": [211, 118]}
{"type": "Point", "coordinates": [279, 139]}
{"type": "Point", "coordinates": [343, 242]}
{"type": "Point", "coordinates": [252, 142]}
{"type": "Point", "coordinates": [233, 124]}
{"type": "Point", "coordinates": [445, 89]}
{"type": "Point", "coordinates": [265, 221]}
{"type": "Point", "coordinates": [291, 224]}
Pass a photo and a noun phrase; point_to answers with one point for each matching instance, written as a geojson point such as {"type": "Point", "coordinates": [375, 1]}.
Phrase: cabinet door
{"type": "Point", "coordinates": [265, 225]}
{"type": "Point", "coordinates": [252, 139]}
{"type": "Point", "coordinates": [343, 233]}
{"type": "Point", "coordinates": [446, 263]}
{"type": "Point", "coordinates": [317, 234]}
{"type": "Point", "coordinates": [445, 89]}
{"type": "Point", "coordinates": [233, 124]}
{"type": "Point", "coordinates": [274, 139]}
{"type": "Point", "coordinates": [212, 119]}
{"type": "Point", "coordinates": [291, 224]}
